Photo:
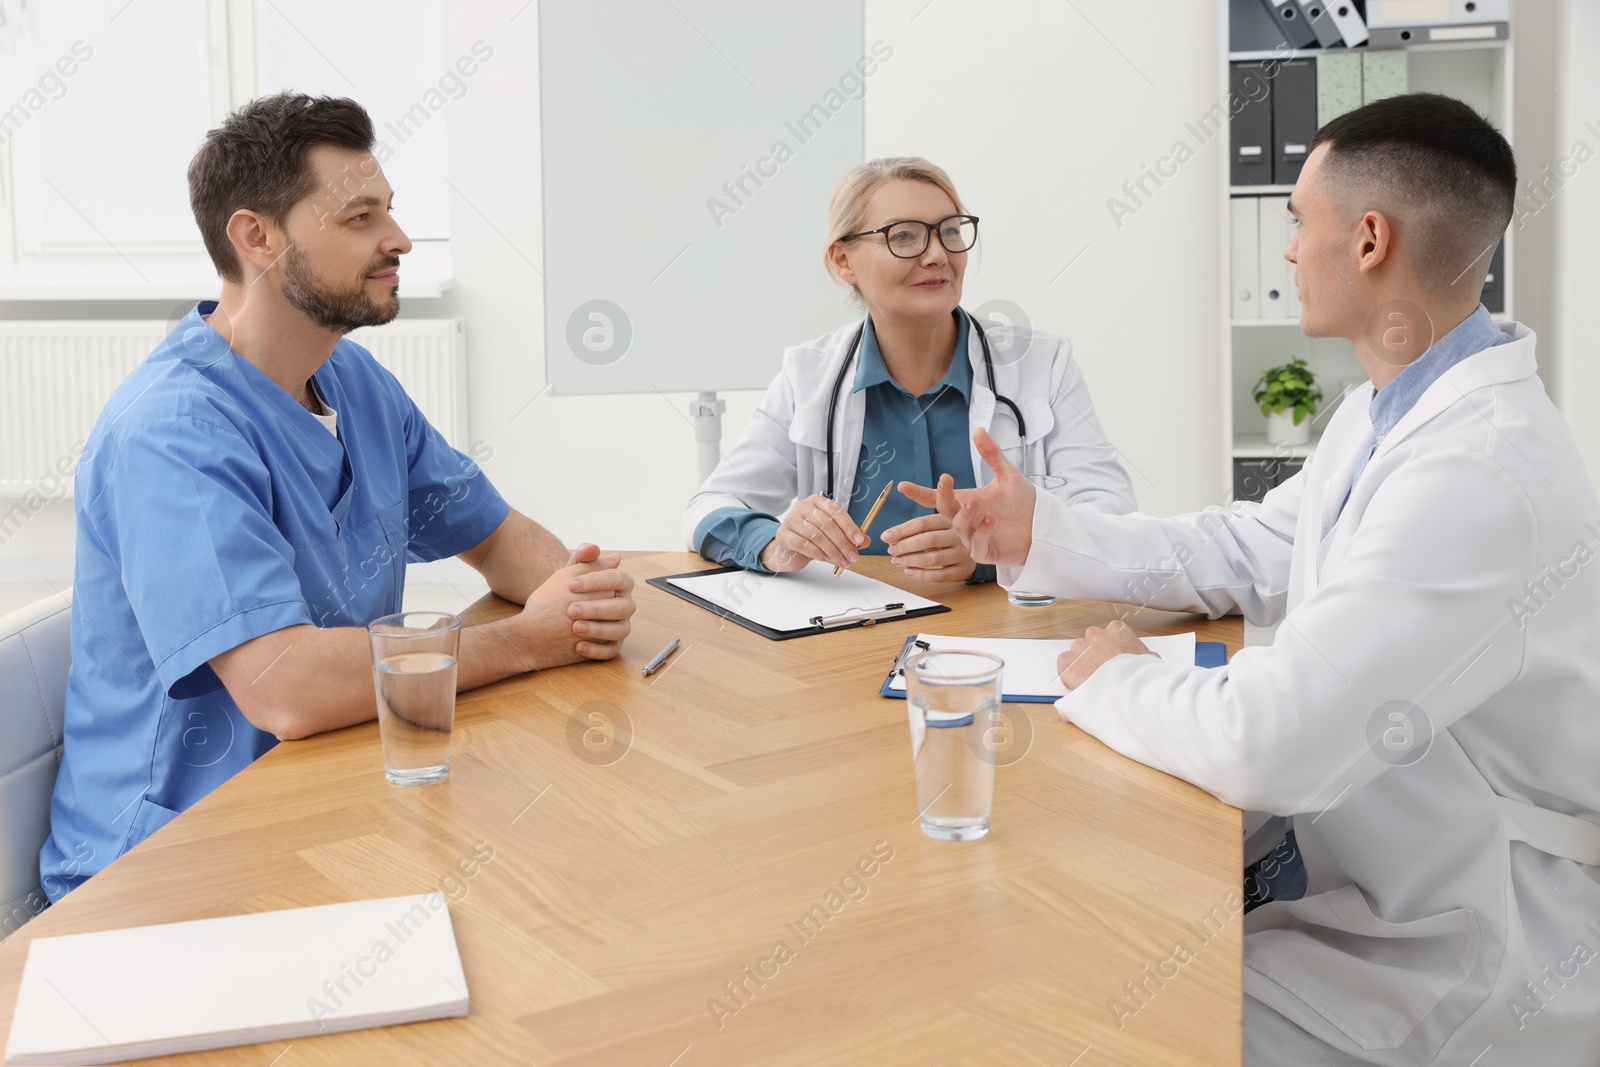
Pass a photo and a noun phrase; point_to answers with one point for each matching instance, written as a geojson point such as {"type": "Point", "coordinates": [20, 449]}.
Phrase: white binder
{"type": "Point", "coordinates": [1277, 292]}
{"type": "Point", "coordinates": [1397, 23]}
{"type": "Point", "coordinates": [1349, 21]}
{"type": "Point", "coordinates": [1244, 257]}
{"type": "Point", "coordinates": [1383, 14]}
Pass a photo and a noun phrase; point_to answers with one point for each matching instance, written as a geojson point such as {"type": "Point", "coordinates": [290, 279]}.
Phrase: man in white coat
{"type": "Point", "coordinates": [1429, 712]}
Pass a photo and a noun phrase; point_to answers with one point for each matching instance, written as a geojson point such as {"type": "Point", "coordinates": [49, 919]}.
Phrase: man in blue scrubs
{"type": "Point", "coordinates": [251, 495]}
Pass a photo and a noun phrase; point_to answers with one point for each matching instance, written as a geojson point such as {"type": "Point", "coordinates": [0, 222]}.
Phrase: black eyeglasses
{"type": "Point", "coordinates": [909, 239]}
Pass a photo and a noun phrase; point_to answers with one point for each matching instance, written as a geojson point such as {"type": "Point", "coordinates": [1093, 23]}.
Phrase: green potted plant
{"type": "Point", "coordinates": [1288, 396]}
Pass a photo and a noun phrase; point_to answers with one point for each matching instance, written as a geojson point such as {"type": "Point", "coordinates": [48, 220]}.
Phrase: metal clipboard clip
{"type": "Point", "coordinates": [911, 649]}
{"type": "Point", "coordinates": [864, 616]}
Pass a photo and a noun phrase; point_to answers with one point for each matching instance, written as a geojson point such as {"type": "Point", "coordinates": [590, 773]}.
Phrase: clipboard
{"type": "Point", "coordinates": [864, 615]}
{"type": "Point", "coordinates": [1206, 654]}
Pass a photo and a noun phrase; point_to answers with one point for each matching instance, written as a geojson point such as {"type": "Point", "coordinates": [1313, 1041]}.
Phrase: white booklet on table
{"type": "Point", "coordinates": [211, 983]}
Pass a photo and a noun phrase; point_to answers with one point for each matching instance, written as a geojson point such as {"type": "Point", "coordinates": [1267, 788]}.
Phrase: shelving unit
{"type": "Point", "coordinates": [1477, 72]}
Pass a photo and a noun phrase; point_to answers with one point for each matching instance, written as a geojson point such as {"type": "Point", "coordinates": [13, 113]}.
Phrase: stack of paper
{"type": "Point", "coordinates": [210, 983]}
{"type": "Point", "coordinates": [790, 601]}
{"type": "Point", "coordinates": [1030, 671]}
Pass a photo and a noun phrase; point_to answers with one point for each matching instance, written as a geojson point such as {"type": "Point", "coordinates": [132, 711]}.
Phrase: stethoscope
{"type": "Point", "coordinates": [855, 349]}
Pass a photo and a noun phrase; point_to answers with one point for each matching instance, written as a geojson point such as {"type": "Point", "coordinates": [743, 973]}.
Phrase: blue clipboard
{"type": "Point", "coordinates": [1206, 654]}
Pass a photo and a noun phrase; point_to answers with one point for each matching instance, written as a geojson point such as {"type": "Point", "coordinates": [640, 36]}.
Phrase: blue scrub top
{"type": "Point", "coordinates": [903, 438]}
{"type": "Point", "coordinates": [212, 508]}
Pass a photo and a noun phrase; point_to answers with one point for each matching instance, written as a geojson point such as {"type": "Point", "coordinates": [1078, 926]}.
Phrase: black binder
{"type": "Point", "coordinates": [1294, 118]}
{"type": "Point", "coordinates": [1253, 28]}
{"type": "Point", "coordinates": [1250, 128]}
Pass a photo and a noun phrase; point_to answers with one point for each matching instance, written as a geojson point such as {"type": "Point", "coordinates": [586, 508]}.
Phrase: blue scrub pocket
{"type": "Point", "coordinates": [393, 521]}
{"type": "Point", "coordinates": [148, 817]}
{"type": "Point", "coordinates": [359, 576]}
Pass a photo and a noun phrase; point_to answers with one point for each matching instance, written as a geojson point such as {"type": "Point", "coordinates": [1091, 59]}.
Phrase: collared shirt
{"type": "Point", "coordinates": [903, 438]}
{"type": "Point", "coordinates": [213, 508]}
{"type": "Point", "coordinates": [1391, 403]}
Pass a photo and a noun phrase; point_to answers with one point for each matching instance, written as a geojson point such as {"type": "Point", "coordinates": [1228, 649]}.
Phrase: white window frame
{"type": "Point", "coordinates": [134, 270]}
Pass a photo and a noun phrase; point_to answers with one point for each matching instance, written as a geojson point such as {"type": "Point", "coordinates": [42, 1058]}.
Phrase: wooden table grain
{"type": "Point", "coordinates": [721, 864]}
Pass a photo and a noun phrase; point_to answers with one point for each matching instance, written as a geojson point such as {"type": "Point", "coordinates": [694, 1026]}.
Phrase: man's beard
{"type": "Point", "coordinates": [330, 308]}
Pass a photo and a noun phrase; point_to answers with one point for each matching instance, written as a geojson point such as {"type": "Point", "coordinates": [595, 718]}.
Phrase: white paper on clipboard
{"type": "Point", "coordinates": [790, 601]}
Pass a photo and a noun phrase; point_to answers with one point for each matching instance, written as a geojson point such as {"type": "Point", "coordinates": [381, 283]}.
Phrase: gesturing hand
{"type": "Point", "coordinates": [928, 547]}
{"type": "Point", "coordinates": [1090, 652]}
{"type": "Point", "coordinates": [814, 528]}
{"type": "Point", "coordinates": [995, 522]}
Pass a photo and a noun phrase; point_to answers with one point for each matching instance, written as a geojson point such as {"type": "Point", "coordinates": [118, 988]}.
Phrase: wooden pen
{"type": "Point", "coordinates": [876, 507]}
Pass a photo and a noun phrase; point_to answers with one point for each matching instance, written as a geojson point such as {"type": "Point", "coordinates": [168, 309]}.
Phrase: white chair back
{"type": "Point", "coordinates": [35, 652]}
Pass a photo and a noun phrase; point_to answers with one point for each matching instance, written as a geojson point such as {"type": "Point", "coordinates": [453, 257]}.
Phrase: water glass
{"type": "Point", "coordinates": [953, 700]}
{"type": "Point", "coordinates": [414, 671]}
{"type": "Point", "coordinates": [1055, 485]}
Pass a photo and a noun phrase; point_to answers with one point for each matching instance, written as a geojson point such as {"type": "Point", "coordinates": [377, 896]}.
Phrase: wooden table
{"type": "Point", "coordinates": [674, 871]}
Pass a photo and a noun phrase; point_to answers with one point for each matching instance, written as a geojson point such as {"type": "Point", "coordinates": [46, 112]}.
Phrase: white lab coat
{"type": "Point", "coordinates": [1463, 575]}
{"type": "Point", "coordinates": [782, 455]}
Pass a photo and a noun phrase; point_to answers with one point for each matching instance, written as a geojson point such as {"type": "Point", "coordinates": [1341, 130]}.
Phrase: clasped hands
{"type": "Point", "coordinates": [581, 611]}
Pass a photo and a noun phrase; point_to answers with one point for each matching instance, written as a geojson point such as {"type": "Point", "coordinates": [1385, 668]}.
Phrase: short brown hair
{"type": "Point", "coordinates": [1437, 166]}
{"type": "Point", "coordinates": [258, 160]}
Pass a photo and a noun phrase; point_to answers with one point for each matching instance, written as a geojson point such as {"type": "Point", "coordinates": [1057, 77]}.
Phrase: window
{"type": "Point", "coordinates": [103, 102]}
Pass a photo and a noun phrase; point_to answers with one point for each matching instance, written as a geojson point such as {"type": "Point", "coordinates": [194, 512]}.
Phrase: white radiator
{"type": "Point", "coordinates": [55, 376]}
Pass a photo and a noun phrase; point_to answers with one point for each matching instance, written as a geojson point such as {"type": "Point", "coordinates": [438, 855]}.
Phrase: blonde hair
{"type": "Point", "coordinates": [848, 209]}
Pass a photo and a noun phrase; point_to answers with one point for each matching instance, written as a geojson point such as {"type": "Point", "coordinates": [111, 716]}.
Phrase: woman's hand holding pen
{"type": "Point", "coordinates": [814, 528]}
{"type": "Point", "coordinates": [928, 548]}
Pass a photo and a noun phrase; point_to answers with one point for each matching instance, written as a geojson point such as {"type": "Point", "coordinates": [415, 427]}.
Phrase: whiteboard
{"type": "Point", "coordinates": [689, 150]}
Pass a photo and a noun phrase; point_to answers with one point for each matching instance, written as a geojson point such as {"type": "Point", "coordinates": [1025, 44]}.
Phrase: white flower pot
{"type": "Point", "coordinates": [1281, 429]}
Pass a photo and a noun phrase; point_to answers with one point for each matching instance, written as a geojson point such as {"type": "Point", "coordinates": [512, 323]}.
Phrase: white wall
{"type": "Point", "coordinates": [1040, 111]}
{"type": "Point", "coordinates": [1576, 207]}
{"type": "Point", "coordinates": [1039, 120]}
{"type": "Point", "coordinates": [1537, 60]}
{"type": "Point", "coordinates": [613, 470]}
{"type": "Point", "coordinates": [1040, 114]}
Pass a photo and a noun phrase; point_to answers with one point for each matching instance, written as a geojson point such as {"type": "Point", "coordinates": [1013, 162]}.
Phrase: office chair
{"type": "Point", "coordinates": [35, 652]}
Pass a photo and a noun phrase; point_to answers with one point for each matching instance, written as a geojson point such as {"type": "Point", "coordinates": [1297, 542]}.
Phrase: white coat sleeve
{"type": "Point", "coordinates": [1219, 561]}
{"type": "Point", "coordinates": [1414, 619]}
{"type": "Point", "coordinates": [759, 472]}
{"type": "Point", "coordinates": [1076, 447]}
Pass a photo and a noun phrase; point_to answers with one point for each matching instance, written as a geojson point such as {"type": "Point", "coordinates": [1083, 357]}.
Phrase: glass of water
{"type": "Point", "coordinates": [953, 700]}
{"type": "Point", "coordinates": [1055, 485]}
{"type": "Point", "coordinates": [414, 671]}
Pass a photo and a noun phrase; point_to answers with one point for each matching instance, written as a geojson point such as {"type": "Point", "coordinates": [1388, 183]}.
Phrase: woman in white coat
{"type": "Point", "coordinates": [895, 397]}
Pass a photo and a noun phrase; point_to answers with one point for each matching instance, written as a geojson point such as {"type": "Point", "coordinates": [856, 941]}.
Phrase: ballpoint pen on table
{"type": "Point", "coordinates": [661, 657]}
